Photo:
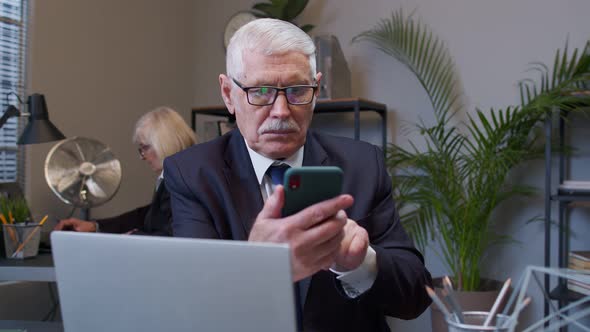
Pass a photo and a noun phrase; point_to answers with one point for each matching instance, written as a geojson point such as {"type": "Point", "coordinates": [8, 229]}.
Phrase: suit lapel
{"type": "Point", "coordinates": [242, 183]}
{"type": "Point", "coordinates": [154, 206]}
{"type": "Point", "coordinates": [314, 154]}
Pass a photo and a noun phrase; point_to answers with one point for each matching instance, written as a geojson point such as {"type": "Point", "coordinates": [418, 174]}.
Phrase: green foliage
{"type": "Point", "coordinates": [15, 207]}
{"type": "Point", "coordinates": [448, 190]}
{"type": "Point", "coordinates": [286, 10]}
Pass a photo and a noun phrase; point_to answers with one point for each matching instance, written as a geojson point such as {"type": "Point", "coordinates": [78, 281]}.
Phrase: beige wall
{"type": "Point", "coordinates": [101, 65]}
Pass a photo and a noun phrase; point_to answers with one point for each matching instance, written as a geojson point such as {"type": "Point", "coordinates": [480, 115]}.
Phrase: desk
{"type": "Point", "coordinates": [39, 268]}
{"type": "Point", "coordinates": [344, 105]}
{"type": "Point", "coordinates": [32, 326]}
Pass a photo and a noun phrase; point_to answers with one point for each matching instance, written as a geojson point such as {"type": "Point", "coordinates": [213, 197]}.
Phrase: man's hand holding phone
{"type": "Point", "coordinates": [353, 247]}
{"type": "Point", "coordinates": [315, 234]}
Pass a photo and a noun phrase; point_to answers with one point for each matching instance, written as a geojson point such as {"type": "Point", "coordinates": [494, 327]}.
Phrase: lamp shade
{"type": "Point", "coordinates": [39, 129]}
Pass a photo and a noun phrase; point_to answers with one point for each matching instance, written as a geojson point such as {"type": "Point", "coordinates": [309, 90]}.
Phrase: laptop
{"type": "Point", "coordinates": [110, 282]}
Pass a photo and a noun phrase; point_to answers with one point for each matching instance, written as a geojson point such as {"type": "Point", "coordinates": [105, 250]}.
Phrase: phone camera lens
{"type": "Point", "coordinates": [294, 182]}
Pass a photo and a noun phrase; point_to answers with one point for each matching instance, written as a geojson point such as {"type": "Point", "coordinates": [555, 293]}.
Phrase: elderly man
{"type": "Point", "coordinates": [352, 260]}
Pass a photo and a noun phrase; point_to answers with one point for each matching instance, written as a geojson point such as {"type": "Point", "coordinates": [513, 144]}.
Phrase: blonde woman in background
{"type": "Point", "coordinates": [158, 134]}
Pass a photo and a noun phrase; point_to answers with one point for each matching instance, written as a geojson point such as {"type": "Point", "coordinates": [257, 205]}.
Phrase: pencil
{"type": "Point", "coordinates": [496, 305]}
{"type": "Point", "coordinates": [448, 286]}
{"type": "Point", "coordinates": [516, 312]}
{"type": "Point", "coordinates": [437, 301]}
{"type": "Point", "coordinates": [9, 230]}
{"type": "Point", "coordinates": [43, 220]}
{"type": "Point", "coordinates": [22, 245]}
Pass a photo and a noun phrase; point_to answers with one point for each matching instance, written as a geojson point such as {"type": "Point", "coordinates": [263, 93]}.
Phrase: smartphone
{"type": "Point", "coordinates": [305, 186]}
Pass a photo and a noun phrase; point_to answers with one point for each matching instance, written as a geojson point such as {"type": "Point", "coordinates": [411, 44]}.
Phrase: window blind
{"type": "Point", "coordinates": [13, 14]}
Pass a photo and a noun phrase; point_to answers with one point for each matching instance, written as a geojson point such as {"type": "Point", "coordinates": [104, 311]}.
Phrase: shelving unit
{"type": "Point", "coordinates": [344, 105]}
{"type": "Point", "coordinates": [565, 200]}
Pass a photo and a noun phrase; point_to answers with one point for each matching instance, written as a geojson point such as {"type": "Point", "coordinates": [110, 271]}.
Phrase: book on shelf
{"type": "Point", "coordinates": [579, 282]}
{"type": "Point", "coordinates": [583, 255]}
{"type": "Point", "coordinates": [576, 265]}
{"type": "Point", "coordinates": [578, 287]}
{"type": "Point", "coordinates": [579, 260]}
{"type": "Point", "coordinates": [573, 187]}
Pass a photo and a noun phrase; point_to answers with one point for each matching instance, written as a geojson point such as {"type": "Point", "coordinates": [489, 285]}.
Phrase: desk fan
{"type": "Point", "coordinates": [82, 172]}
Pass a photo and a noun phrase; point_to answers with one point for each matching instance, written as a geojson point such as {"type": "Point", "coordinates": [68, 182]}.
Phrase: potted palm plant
{"type": "Point", "coordinates": [448, 190]}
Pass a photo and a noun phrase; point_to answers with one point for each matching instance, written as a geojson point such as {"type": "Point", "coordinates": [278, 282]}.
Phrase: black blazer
{"type": "Point", "coordinates": [152, 219]}
{"type": "Point", "coordinates": [215, 194]}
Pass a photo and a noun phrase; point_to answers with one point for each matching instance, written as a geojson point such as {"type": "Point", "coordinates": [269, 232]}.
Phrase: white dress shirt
{"type": "Point", "coordinates": [159, 180]}
{"type": "Point", "coordinates": [354, 282]}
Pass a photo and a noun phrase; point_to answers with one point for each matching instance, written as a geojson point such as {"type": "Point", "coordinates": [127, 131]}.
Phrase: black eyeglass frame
{"type": "Point", "coordinates": [277, 89]}
{"type": "Point", "coordinates": [142, 149]}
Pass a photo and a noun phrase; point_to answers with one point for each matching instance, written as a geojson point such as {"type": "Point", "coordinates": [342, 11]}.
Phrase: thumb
{"type": "Point", "coordinates": [274, 204]}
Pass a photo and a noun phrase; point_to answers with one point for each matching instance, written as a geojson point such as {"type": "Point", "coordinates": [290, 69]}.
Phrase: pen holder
{"type": "Point", "coordinates": [21, 240]}
{"type": "Point", "coordinates": [474, 322]}
{"type": "Point", "coordinates": [2, 248]}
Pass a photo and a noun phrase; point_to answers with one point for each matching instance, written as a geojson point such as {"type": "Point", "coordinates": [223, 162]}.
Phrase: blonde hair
{"type": "Point", "coordinates": [165, 131]}
{"type": "Point", "coordinates": [268, 36]}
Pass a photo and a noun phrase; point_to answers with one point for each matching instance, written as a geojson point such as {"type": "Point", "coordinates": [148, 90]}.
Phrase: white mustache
{"type": "Point", "coordinates": [278, 125]}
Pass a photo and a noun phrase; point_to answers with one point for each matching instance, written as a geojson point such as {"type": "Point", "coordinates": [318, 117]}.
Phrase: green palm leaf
{"type": "Point", "coordinates": [448, 189]}
{"type": "Point", "coordinates": [286, 10]}
{"type": "Point", "coordinates": [414, 45]}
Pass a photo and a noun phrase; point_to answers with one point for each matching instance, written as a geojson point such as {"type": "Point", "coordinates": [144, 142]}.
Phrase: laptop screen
{"type": "Point", "coordinates": [110, 282]}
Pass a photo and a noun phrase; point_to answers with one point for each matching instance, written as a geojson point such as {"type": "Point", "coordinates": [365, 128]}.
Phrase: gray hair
{"type": "Point", "coordinates": [268, 36]}
{"type": "Point", "coordinates": [165, 131]}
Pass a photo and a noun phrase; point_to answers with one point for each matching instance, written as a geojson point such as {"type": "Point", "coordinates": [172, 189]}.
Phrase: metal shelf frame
{"type": "Point", "coordinates": [344, 105]}
{"type": "Point", "coordinates": [564, 199]}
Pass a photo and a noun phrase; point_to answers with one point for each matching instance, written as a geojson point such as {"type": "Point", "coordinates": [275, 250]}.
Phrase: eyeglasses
{"type": "Point", "coordinates": [267, 95]}
{"type": "Point", "coordinates": [142, 149]}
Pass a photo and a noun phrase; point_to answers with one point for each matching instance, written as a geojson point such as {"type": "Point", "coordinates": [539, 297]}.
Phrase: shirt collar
{"type": "Point", "coordinates": [262, 163]}
{"type": "Point", "coordinates": [159, 180]}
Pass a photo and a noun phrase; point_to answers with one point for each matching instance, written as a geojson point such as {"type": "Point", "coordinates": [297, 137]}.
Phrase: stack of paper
{"type": "Point", "coordinates": [580, 261]}
{"type": "Point", "coordinates": [575, 186]}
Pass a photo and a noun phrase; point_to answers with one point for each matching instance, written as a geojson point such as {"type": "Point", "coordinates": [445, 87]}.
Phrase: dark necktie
{"type": "Point", "coordinates": [277, 174]}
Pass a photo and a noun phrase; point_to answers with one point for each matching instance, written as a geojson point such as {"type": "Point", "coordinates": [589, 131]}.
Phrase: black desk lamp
{"type": "Point", "coordinates": [39, 129]}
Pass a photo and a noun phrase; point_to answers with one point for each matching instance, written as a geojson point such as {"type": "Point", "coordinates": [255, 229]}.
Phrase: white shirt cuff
{"type": "Point", "coordinates": [359, 280]}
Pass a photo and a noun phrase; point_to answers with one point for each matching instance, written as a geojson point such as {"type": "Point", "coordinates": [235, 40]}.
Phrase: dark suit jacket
{"type": "Point", "coordinates": [215, 194]}
{"type": "Point", "coordinates": [152, 219]}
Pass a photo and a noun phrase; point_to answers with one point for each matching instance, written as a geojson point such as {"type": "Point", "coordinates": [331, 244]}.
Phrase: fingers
{"type": "Point", "coordinates": [59, 226]}
{"type": "Point", "coordinates": [75, 225]}
{"type": "Point", "coordinates": [308, 260]}
{"type": "Point", "coordinates": [266, 228]}
{"type": "Point", "coordinates": [273, 205]}
{"type": "Point", "coordinates": [314, 234]}
{"type": "Point", "coordinates": [359, 244]}
{"type": "Point", "coordinates": [325, 230]}
{"type": "Point", "coordinates": [319, 212]}
{"type": "Point", "coordinates": [327, 251]}
{"type": "Point", "coordinates": [316, 248]}
{"type": "Point", "coordinates": [353, 247]}
{"type": "Point", "coordinates": [63, 224]}
{"type": "Point", "coordinates": [341, 215]}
